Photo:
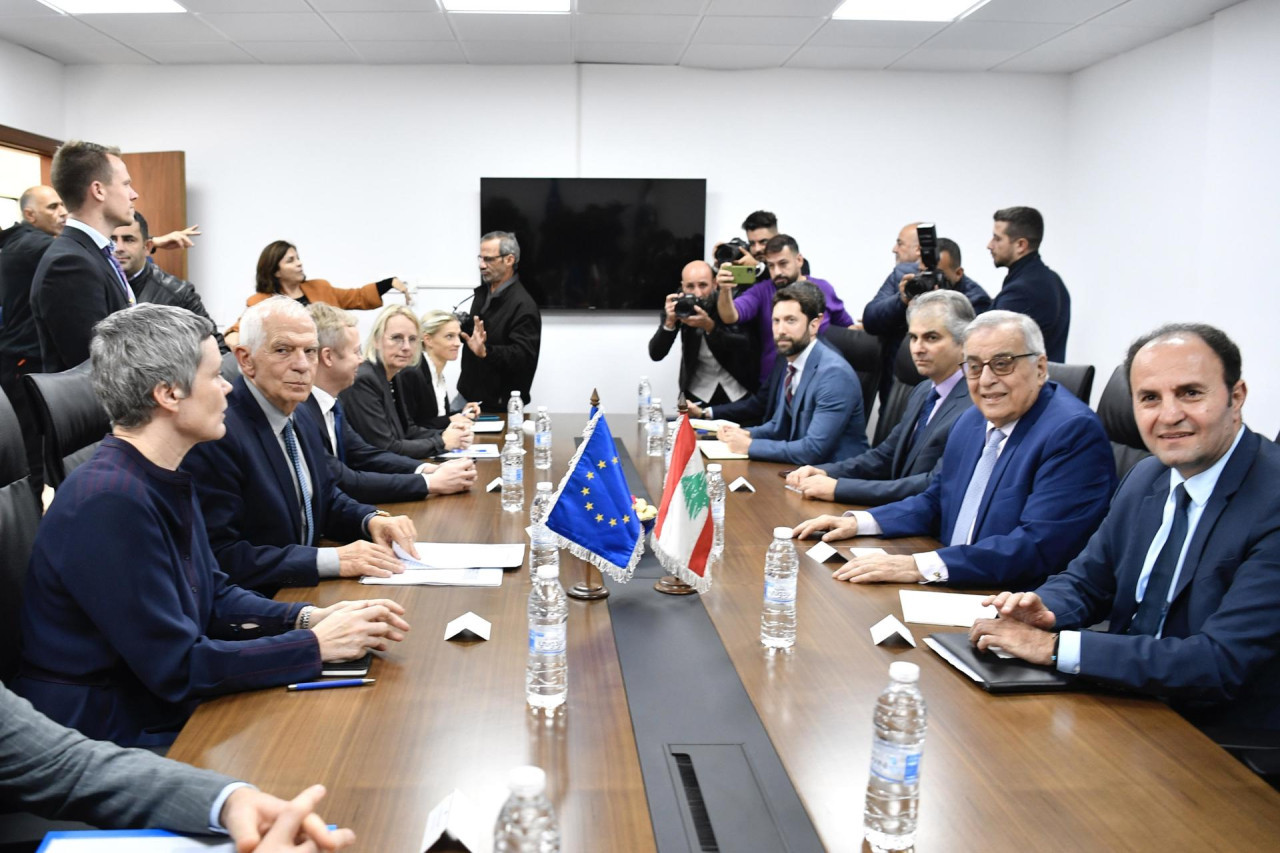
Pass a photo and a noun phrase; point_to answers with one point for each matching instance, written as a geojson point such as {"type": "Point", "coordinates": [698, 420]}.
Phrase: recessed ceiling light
{"type": "Point", "coordinates": [113, 7]}
{"type": "Point", "coordinates": [906, 10]}
{"type": "Point", "coordinates": [517, 7]}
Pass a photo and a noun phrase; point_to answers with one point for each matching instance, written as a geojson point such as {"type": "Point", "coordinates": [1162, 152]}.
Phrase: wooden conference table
{"type": "Point", "coordinates": [1048, 772]}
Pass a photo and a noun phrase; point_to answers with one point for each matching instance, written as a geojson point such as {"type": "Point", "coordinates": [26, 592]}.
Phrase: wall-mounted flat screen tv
{"type": "Point", "coordinates": [602, 244]}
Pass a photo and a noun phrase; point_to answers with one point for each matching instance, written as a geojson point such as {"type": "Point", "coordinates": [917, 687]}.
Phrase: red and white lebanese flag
{"type": "Point", "coordinates": [683, 531]}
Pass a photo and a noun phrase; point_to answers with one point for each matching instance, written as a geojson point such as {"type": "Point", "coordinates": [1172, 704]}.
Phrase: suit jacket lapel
{"type": "Point", "coordinates": [1149, 517]}
{"type": "Point", "coordinates": [271, 449]}
{"type": "Point", "coordinates": [1025, 424]}
{"type": "Point", "coordinates": [902, 454]}
{"type": "Point", "coordinates": [1228, 484]}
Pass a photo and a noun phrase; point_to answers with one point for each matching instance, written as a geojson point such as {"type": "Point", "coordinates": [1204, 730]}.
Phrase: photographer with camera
{"type": "Point", "coordinates": [760, 227]}
{"type": "Point", "coordinates": [716, 361]}
{"type": "Point", "coordinates": [938, 267]}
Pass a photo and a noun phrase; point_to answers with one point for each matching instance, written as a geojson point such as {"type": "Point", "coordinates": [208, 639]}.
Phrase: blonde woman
{"type": "Point", "coordinates": [375, 404]}
{"type": "Point", "coordinates": [427, 396]}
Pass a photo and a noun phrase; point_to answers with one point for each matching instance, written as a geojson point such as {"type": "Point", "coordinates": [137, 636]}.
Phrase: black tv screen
{"type": "Point", "coordinates": [604, 244]}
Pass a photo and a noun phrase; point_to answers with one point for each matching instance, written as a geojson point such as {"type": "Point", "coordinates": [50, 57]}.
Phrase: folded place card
{"type": "Point", "coordinates": [866, 552]}
{"type": "Point", "coordinates": [468, 626]}
{"type": "Point", "coordinates": [455, 820]}
{"type": "Point", "coordinates": [741, 485]}
{"type": "Point", "coordinates": [823, 551]}
{"type": "Point", "coordinates": [888, 627]}
{"type": "Point", "coordinates": [494, 485]}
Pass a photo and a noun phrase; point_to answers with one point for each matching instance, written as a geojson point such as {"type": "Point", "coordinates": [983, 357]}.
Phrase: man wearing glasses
{"type": "Point", "coordinates": [1026, 476]}
{"type": "Point", "coordinates": [505, 331]}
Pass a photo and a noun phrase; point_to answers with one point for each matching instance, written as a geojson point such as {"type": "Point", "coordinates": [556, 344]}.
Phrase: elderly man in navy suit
{"type": "Point", "coordinates": [818, 415]}
{"type": "Point", "coordinates": [1026, 476]}
{"type": "Point", "coordinates": [1185, 566]}
{"type": "Point", "coordinates": [903, 464]}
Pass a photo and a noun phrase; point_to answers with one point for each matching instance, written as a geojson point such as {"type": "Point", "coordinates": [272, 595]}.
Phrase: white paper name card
{"type": "Point", "coordinates": [468, 626]}
{"type": "Point", "coordinates": [888, 627]}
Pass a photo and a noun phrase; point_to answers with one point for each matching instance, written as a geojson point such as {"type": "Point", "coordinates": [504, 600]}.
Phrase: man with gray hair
{"type": "Point", "coordinates": [267, 494]}
{"type": "Point", "coordinates": [504, 334]}
{"type": "Point", "coordinates": [903, 464]}
{"type": "Point", "coordinates": [1026, 477]}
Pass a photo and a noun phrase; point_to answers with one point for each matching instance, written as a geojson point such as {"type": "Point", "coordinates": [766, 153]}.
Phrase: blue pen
{"type": "Point", "coordinates": [337, 682]}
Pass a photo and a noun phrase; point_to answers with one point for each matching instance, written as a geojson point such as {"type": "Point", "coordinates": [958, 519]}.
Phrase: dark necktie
{"type": "Point", "coordinates": [340, 449]}
{"type": "Point", "coordinates": [295, 457]}
{"type": "Point", "coordinates": [124, 281]}
{"type": "Point", "coordinates": [923, 420]}
{"type": "Point", "coordinates": [791, 391]}
{"type": "Point", "coordinates": [1155, 600]}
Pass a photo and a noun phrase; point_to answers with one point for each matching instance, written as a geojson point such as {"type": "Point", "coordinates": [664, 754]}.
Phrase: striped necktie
{"type": "Point", "coordinates": [124, 280]}
{"type": "Point", "coordinates": [295, 457]}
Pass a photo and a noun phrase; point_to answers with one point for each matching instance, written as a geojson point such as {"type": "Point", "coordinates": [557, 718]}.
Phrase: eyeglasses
{"type": "Point", "coordinates": [398, 341]}
{"type": "Point", "coordinates": [490, 259]}
{"type": "Point", "coordinates": [1001, 365]}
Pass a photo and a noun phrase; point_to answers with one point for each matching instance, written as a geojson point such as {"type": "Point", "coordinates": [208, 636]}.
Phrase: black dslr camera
{"type": "Point", "coordinates": [729, 252]}
{"type": "Point", "coordinates": [685, 304]}
{"type": "Point", "coordinates": [929, 278]}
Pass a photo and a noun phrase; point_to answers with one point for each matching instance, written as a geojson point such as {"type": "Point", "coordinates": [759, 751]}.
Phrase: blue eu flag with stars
{"type": "Point", "coordinates": [591, 515]}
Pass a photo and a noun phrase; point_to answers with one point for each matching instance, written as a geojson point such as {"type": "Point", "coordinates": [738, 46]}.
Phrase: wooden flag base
{"type": "Point", "coordinates": [672, 585]}
{"type": "Point", "coordinates": [590, 588]}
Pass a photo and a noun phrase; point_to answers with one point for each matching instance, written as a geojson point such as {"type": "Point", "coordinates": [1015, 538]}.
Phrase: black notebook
{"type": "Point", "coordinates": [357, 668]}
{"type": "Point", "coordinates": [994, 673]}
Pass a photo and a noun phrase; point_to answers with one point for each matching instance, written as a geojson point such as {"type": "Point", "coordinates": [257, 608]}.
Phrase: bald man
{"type": "Point", "coordinates": [716, 363]}
{"type": "Point", "coordinates": [21, 248]}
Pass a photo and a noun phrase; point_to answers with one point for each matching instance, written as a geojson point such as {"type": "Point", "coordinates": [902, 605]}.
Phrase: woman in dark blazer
{"type": "Point", "coordinates": [375, 404]}
{"type": "Point", "coordinates": [426, 393]}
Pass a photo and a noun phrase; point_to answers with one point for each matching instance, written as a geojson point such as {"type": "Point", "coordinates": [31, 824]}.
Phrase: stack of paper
{"type": "Point", "coordinates": [713, 448]}
{"type": "Point", "coordinates": [943, 608]}
{"type": "Point", "coordinates": [453, 564]}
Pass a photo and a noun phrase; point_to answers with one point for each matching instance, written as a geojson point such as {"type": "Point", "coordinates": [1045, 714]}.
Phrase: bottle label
{"type": "Point", "coordinates": [896, 762]}
{"type": "Point", "coordinates": [542, 536]}
{"type": "Point", "coordinates": [547, 639]}
{"type": "Point", "coordinates": [780, 591]}
{"type": "Point", "coordinates": [717, 510]}
{"type": "Point", "coordinates": [513, 474]}
{"type": "Point", "coordinates": [656, 428]}
{"type": "Point", "coordinates": [542, 440]}
{"type": "Point", "coordinates": [644, 400]}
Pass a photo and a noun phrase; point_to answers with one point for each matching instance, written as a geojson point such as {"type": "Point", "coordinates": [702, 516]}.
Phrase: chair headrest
{"type": "Point", "coordinates": [1115, 410]}
{"type": "Point", "coordinates": [13, 454]}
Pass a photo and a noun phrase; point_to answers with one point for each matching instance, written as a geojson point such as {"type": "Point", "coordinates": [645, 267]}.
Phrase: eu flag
{"type": "Point", "coordinates": [591, 513]}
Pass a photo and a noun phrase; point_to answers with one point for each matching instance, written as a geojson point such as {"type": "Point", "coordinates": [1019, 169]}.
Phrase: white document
{"type": "Point", "coordinates": [741, 485]}
{"type": "Point", "coordinates": [714, 448]}
{"type": "Point", "coordinates": [888, 627]}
{"type": "Point", "coordinates": [943, 608]}
{"type": "Point", "coordinates": [456, 818]}
{"type": "Point", "coordinates": [710, 426]}
{"type": "Point", "coordinates": [823, 551]}
{"type": "Point", "coordinates": [482, 427]}
{"type": "Point", "coordinates": [866, 552]}
{"type": "Point", "coordinates": [467, 623]}
{"type": "Point", "coordinates": [951, 659]}
{"type": "Point", "coordinates": [462, 555]}
{"type": "Point", "coordinates": [475, 451]}
{"type": "Point", "coordinates": [440, 577]}
{"type": "Point", "coordinates": [132, 841]}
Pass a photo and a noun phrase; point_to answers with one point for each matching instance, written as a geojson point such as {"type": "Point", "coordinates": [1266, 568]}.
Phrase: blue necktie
{"type": "Point", "coordinates": [340, 450]}
{"type": "Point", "coordinates": [977, 486]}
{"type": "Point", "coordinates": [1155, 601]}
{"type": "Point", "coordinates": [291, 445]}
{"type": "Point", "coordinates": [124, 280]}
{"type": "Point", "coordinates": [923, 420]}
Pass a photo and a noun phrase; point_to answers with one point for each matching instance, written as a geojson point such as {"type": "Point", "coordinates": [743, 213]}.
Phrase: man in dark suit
{"type": "Point", "coordinates": [265, 488]}
{"type": "Point", "coordinates": [1030, 287]}
{"type": "Point", "coordinates": [716, 364]}
{"type": "Point", "coordinates": [78, 281]}
{"type": "Point", "coordinates": [903, 464]}
{"type": "Point", "coordinates": [363, 471]}
{"type": "Point", "coordinates": [505, 333]}
{"type": "Point", "coordinates": [1026, 476]}
{"type": "Point", "coordinates": [818, 414]}
{"type": "Point", "coordinates": [1184, 566]}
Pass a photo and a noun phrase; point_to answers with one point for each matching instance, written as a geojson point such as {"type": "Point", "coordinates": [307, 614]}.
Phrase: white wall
{"type": "Point", "coordinates": [31, 98]}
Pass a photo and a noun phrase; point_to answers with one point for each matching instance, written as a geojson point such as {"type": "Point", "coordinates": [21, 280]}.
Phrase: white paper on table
{"type": "Point", "coordinates": [714, 448]}
{"type": "Point", "coordinates": [475, 451]}
{"type": "Point", "coordinates": [708, 425]}
{"type": "Point", "coordinates": [943, 608]}
{"type": "Point", "coordinates": [467, 622]}
{"type": "Point", "coordinates": [455, 817]}
{"type": "Point", "coordinates": [440, 577]}
{"type": "Point", "coordinates": [823, 551]}
{"type": "Point", "coordinates": [462, 555]}
{"type": "Point", "coordinates": [951, 659]}
{"type": "Point", "coordinates": [866, 552]}
{"type": "Point", "coordinates": [888, 627]}
{"type": "Point", "coordinates": [132, 841]}
{"type": "Point", "coordinates": [482, 427]}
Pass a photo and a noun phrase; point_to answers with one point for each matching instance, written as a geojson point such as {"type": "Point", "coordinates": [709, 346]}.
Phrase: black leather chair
{"type": "Point", "coordinates": [72, 420]}
{"type": "Point", "coordinates": [905, 379]}
{"type": "Point", "coordinates": [1076, 378]}
{"type": "Point", "coordinates": [862, 351]}
{"type": "Point", "coordinates": [1115, 409]}
{"type": "Point", "coordinates": [230, 367]}
{"type": "Point", "coordinates": [19, 516]}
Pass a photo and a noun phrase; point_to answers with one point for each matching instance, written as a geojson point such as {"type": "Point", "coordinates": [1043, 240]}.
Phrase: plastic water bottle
{"type": "Point", "coordinates": [542, 544]}
{"type": "Point", "coordinates": [893, 791]}
{"type": "Point", "coordinates": [657, 428]}
{"type": "Point", "coordinates": [512, 474]}
{"type": "Point", "coordinates": [542, 440]}
{"type": "Point", "coordinates": [644, 399]}
{"type": "Point", "coordinates": [546, 674]}
{"type": "Point", "coordinates": [778, 617]}
{"type": "Point", "coordinates": [716, 494]}
{"type": "Point", "coordinates": [527, 823]}
{"type": "Point", "coordinates": [515, 415]}
{"type": "Point", "coordinates": [669, 443]}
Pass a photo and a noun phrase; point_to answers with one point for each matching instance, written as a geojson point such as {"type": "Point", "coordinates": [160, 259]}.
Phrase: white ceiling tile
{"type": "Point", "coordinates": [875, 33]}
{"type": "Point", "coordinates": [512, 27]}
{"type": "Point", "coordinates": [728, 56]}
{"type": "Point", "coordinates": [1099, 38]}
{"type": "Point", "coordinates": [187, 53]}
{"type": "Point", "coordinates": [628, 53]}
{"type": "Point", "coordinates": [98, 53]}
{"type": "Point", "coordinates": [828, 56]}
{"type": "Point", "coordinates": [152, 28]}
{"type": "Point", "coordinates": [923, 59]}
{"type": "Point", "coordinates": [409, 52]}
{"type": "Point", "coordinates": [27, 30]}
{"type": "Point", "coordinates": [301, 52]}
{"type": "Point", "coordinates": [1059, 62]}
{"type": "Point", "coordinates": [1043, 11]}
{"type": "Point", "coordinates": [24, 8]}
{"type": "Point", "coordinates": [273, 26]}
{"type": "Point", "coordinates": [670, 29]}
{"type": "Point", "coordinates": [391, 26]}
{"type": "Point", "coordinates": [995, 35]}
{"type": "Point", "coordinates": [768, 8]}
{"type": "Point", "coordinates": [259, 7]}
{"type": "Point", "coordinates": [518, 53]}
{"type": "Point", "coordinates": [641, 7]}
{"type": "Point", "coordinates": [373, 5]}
{"type": "Point", "coordinates": [1164, 13]}
{"type": "Point", "coordinates": [756, 31]}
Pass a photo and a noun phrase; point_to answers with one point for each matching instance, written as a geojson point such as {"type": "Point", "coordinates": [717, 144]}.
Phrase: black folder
{"type": "Point", "coordinates": [1002, 675]}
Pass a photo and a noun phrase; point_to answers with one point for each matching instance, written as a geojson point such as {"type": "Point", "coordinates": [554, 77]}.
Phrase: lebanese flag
{"type": "Point", "coordinates": [684, 530]}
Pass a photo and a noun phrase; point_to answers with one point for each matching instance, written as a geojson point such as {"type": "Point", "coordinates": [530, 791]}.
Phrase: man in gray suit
{"type": "Point", "coordinates": [59, 773]}
{"type": "Point", "coordinates": [902, 464]}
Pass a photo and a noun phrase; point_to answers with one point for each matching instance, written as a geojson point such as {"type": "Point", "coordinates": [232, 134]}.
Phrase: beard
{"type": "Point", "coordinates": [787, 347]}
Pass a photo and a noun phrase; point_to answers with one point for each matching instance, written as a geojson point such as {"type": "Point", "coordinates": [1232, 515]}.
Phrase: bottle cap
{"type": "Point", "coordinates": [515, 392]}
{"type": "Point", "coordinates": [544, 486]}
{"type": "Point", "coordinates": [714, 468]}
{"type": "Point", "coordinates": [548, 572]}
{"type": "Point", "coordinates": [782, 533]}
{"type": "Point", "coordinates": [542, 408]}
{"type": "Point", "coordinates": [527, 780]}
{"type": "Point", "coordinates": [904, 671]}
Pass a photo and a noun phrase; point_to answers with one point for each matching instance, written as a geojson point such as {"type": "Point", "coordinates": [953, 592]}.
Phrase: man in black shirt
{"type": "Point", "coordinates": [1030, 287]}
